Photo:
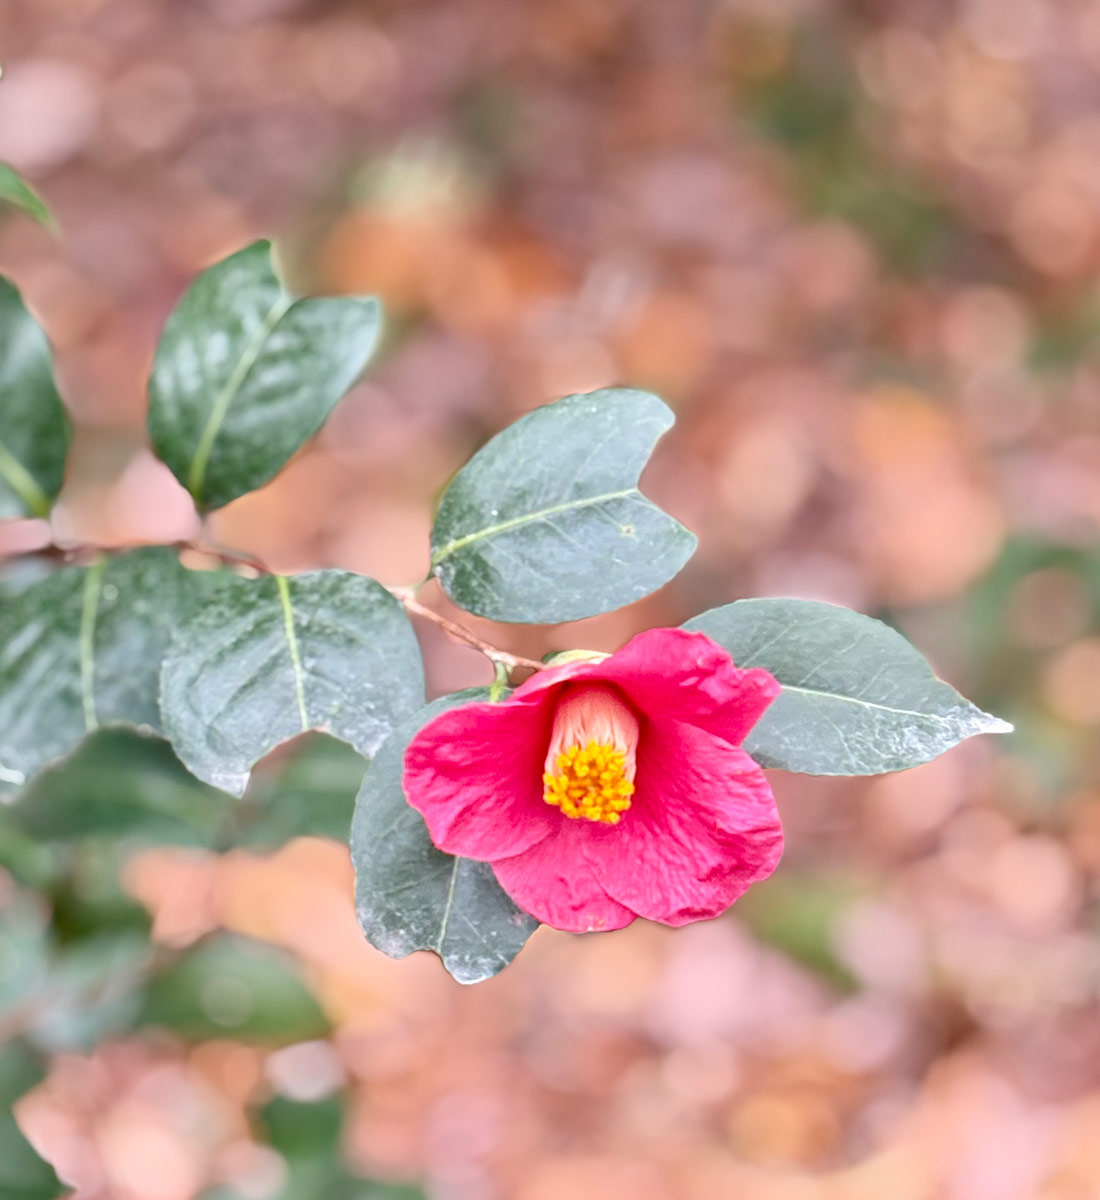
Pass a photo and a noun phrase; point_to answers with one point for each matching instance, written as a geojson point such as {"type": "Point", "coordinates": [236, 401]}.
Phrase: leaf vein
{"type": "Point", "coordinates": [491, 531]}
{"type": "Point", "coordinates": [197, 471]}
{"type": "Point", "coordinates": [292, 643]}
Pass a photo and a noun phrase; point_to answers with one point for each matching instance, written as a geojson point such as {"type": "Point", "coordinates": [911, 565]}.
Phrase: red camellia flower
{"type": "Point", "coordinates": [601, 791]}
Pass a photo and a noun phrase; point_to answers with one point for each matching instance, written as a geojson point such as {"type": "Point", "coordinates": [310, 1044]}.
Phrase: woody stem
{"type": "Point", "coordinates": [460, 633]}
{"type": "Point", "coordinates": [406, 596]}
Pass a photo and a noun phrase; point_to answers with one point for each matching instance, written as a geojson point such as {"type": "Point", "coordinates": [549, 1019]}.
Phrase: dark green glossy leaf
{"type": "Point", "coordinates": [270, 658]}
{"type": "Point", "coordinates": [245, 374]}
{"type": "Point", "coordinates": [17, 192]}
{"type": "Point", "coordinates": [409, 895]}
{"type": "Point", "coordinates": [83, 648]}
{"type": "Point", "coordinates": [230, 986]}
{"type": "Point", "coordinates": [23, 1175]}
{"type": "Point", "coordinates": [857, 698]}
{"type": "Point", "coordinates": [34, 427]}
{"type": "Point", "coordinates": [546, 522]}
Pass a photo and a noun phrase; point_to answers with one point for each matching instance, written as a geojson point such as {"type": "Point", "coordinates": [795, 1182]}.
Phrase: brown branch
{"type": "Point", "coordinates": [407, 596]}
{"type": "Point", "coordinates": [460, 633]}
{"type": "Point", "coordinates": [81, 551]}
{"type": "Point", "coordinates": [231, 558]}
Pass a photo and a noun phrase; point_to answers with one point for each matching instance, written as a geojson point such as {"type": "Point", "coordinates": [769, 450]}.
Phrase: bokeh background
{"type": "Point", "coordinates": [855, 245]}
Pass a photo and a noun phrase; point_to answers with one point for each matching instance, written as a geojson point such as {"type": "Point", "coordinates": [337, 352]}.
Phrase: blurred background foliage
{"type": "Point", "coordinates": [855, 246]}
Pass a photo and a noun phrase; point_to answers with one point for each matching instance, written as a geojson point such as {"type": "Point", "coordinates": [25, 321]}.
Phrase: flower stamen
{"type": "Point", "coordinates": [590, 763]}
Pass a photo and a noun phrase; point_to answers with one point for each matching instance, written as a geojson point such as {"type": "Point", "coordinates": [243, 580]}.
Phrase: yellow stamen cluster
{"type": "Point", "coordinates": [590, 783]}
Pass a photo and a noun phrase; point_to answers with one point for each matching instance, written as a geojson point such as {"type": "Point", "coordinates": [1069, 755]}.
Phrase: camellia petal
{"type": "Point", "coordinates": [681, 676]}
{"type": "Point", "coordinates": [475, 775]}
{"type": "Point", "coordinates": [703, 823]}
{"type": "Point", "coordinates": [555, 883]}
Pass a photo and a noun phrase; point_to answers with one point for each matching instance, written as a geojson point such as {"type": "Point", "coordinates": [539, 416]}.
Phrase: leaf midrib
{"type": "Point", "coordinates": [23, 483]}
{"type": "Point", "coordinates": [196, 472]}
{"type": "Point", "coordinates": [283, 585]}
{"type": "Point", "coordinates": [902, 712]}
{"type": "Point", "coordinates": [446, 918]}
{"type": "Point", "coordinates": [89, 610]}
{"type": "Point", "coordinates": [528, 518]}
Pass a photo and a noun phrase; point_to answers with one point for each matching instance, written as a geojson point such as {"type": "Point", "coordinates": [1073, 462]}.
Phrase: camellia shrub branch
{"type": "Point", "coordinates": [581, 792]}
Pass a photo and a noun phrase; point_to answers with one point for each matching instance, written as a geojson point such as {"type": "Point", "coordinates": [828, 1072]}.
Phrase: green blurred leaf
{"type": "Point", "coordinates": [273, 657]}
{"type": "Point", "coordinates": [546, 522]}
{"type": "Point", "coordinates": [21, 1068]}
{"type": "Point", "coordinates": [229, 986]}
{"type": "Point", "coordinates": [309, 1178]}
{"type": "Point", "coordinates": [24, 953]}
{"type": "Point", "coordinates": [121, 781]}
{"type": "Point", "coordinates": [303, 1128]}
{"type": "Point", "coordinates": [25, 858]}
{"type": "Point", "coordinates": [34, 427]}
{"type": "Point", "coordinates": [93, 991]}
{"type": "Point", "coordinates": [245, 374]}
{"type": "Point", "coordinates": [23, 1175]}
{"type": "Point", "coordinates": [310, 794]}
{"type": "Point", "coordinates": [82, 648]}
{"type": "Point", "coordinates": [66, 997]}
{"type": "Point", "coordinates": [409, 895]}
{"type": "Point", "coordinates": [124, 782]}
{"type": "Point", "coordinates": [90, 900]}
{"type": "Point", "coordinates": [17, 192]}
{"type": "Point", "coordinates": [814, 107]}
{"type": "Point", "coordinates": [307, 1134]}
{"type": "Point", "coordinates": [798, 914]}
{"type": "Point", "coordinates": [857, 698]}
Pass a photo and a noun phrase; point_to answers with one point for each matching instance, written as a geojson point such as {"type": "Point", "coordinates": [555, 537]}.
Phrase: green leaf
{"type": "Point", "coordinates": [82, 648]}
{"type": "Point", "coordinates": [303, 1128]}
{"type": "Point", "coordinates": [273, 657]}
{"type": "Point", "coordinates": [799, 912]}
{"type": "Point", "coordinates": [18, 574]}
{"type": "Point", "coordinates": [21, 1069]}
{"type": "Point", "coordinates": [23, 1175]}
{"type": "Point", "coordinates": [65, 997]}
{"type": "Point", "coordinates": [120, 781]}
{"type": "Point", "coordinates": [857, 698]}
{"type": "Point", "coordinates": [34, 427]}
{"type": "Point", "coordinates": [23, 857]}
{"type": "Point", "coordinates": [17, 192]}
{"type": "Point", "coordinates": [308, 1136]}
{"type": "Point", "coordinates": [312, 794]}
{"type": "Point", "coordinates": [93, 991]}
{"type": "Point", "coordinates": [245, 374]}
{"type": "Point", "coordinates": [24, 953]}
{"type": "Point", "coordinates": [229, 986]}
{"type": "Point", "coordinates": [546, 522]}
{"type": "Point", "coordinates": [409, 895]}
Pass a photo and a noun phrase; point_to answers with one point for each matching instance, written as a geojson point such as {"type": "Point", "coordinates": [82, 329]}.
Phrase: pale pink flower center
{"type": "Point", "coordinates": [591, 760]}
